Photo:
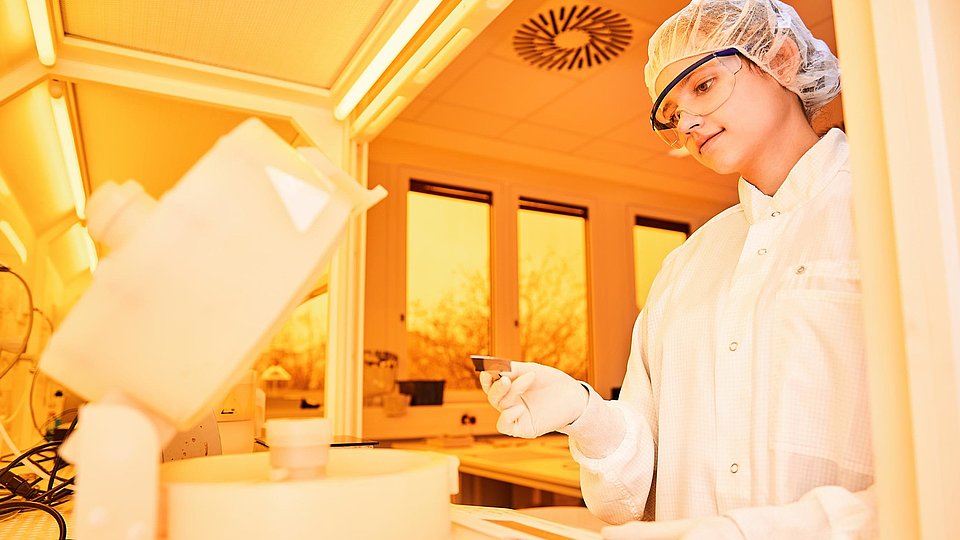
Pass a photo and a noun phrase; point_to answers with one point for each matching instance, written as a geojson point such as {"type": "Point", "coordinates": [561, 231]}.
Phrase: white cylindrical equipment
{"type": "Point", "coordinates": [366, 493]}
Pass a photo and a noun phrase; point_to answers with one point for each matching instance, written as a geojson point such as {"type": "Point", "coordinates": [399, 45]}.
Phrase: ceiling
{"type": "Point", "coordinates": [302, 41]}
{"type": "Point", "coordinates": [488, 100]}
{"type": "Point", "coordinates": [593, 119]}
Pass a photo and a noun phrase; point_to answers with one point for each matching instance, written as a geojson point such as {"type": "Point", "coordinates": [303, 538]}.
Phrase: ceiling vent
{"type": "Point", "coordinates": [575, 37]}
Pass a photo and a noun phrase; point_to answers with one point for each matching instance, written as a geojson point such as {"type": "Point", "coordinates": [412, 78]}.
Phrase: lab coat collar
{"type": "Point", "coordinates": [812, 172]}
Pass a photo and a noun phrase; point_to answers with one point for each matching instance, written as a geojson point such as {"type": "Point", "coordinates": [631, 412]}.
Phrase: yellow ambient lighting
{"type": "Point", "coordinates": [88, 246]}
{"type": "Point", "coordinates": [15, 241]}
{"type": "Point", "coordinates": [453, 47]}
{"type": "Point", "coordinates": [410, 25]}
{"type": "Point", "coordinates": [447, 40]}
{"type": "Point", "coordinates": [391, 110]}
{"type": "Point", "coordinates": [4, 188]}
{"type": "Point", "coordinates": [69, 150]}
{"type": "Point", "coordinates": [40, 20]}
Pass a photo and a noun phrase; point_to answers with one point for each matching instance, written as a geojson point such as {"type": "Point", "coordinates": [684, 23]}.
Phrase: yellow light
{"type": "Point", "coordinates": [88, 246]}
{"type": "Point", "coordinates": [450, 37]}
{"type": "Point", "coordinates": [382, 118]}
{"type": "Point", "coordinates": [68, 148]}
{"type": "Point", "coordinates": [40, 20]}
{"type": "Point", "coordinates": [453, 47]}
{"type": "Point", "coordinates": [410, 25]}
{"type": "Point", "coordinates": [14, 239]}
{"type": "Point", "coordinates": [4, 188]}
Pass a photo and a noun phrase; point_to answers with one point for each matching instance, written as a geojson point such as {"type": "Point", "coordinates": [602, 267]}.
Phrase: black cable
{"type": "Point", "coordinates": [26, 337]}
{"type": "Point", "coordinates": [59, 462]}
{"type": "Point", "coordinates": [17, 506]}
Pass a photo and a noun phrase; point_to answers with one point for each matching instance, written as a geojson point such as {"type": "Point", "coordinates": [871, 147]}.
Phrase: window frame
{"type": "Point", "coordinates": [418, 184]}
{"type": "Point", "coordinates": [644, 219]}
{"type": "Point", "coordinates": [504, 293]}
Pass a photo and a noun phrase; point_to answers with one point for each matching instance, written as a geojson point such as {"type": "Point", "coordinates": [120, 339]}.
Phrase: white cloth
{"type": "Point", "coordinates": [746, 384]}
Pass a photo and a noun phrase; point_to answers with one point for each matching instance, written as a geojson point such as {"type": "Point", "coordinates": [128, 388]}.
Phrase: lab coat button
{"type": "Point", "coordinates": [734, 345]}
{"type": "Point", "coordinates": [734, 468]}
{"type": "Point", "coordinates": [775, 214]}
{"type": "Point", "coordinates": [800, 270]}
{"type": "Point", "coordinates": [762, 251]}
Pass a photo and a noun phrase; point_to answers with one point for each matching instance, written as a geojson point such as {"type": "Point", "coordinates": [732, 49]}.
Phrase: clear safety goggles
{"type": "Point", "coordinates": [698, 90]}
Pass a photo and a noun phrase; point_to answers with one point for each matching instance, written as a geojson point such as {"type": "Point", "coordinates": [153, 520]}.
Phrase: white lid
{"type": "Point", "coordinates": [298, 431]}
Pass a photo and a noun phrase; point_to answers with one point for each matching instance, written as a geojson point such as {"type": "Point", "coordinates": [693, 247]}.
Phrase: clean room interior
{"type": "Point", "coordinates": [529, 206]}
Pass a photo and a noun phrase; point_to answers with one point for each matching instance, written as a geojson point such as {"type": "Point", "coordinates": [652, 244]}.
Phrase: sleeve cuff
{"type": "Point", "coordinates": [605, 437]}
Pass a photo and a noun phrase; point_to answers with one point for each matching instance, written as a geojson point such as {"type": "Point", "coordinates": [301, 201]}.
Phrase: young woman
{"type": "Point", "coordinates": [744, 411]}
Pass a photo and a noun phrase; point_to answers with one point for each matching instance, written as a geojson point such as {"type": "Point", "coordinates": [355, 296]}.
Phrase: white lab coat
{"type": "Point", "coordinates": [746, 391]}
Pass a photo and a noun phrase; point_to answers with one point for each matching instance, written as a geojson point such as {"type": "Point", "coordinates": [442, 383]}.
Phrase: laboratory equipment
{"type": "Point", "coordinates": [379, 376]}
{"type": "Point", "coordinates": [193, 288]}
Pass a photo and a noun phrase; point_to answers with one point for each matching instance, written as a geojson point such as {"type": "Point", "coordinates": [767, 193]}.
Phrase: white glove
{"type": "Point", "coordinates": [534, 399]}
{"type": "Point", "coordinates": [710, 528]}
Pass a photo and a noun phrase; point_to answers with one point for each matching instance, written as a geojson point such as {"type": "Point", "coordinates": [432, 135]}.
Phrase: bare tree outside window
{"type": "Point", "coordinates": [449, 315]}
{"type": "Point", "coordinates": [553, 289]}
{"type": "Point", "coordinates": [553, 314]}
{"type": "Point", "coordinates": [443, 337]}
{"type": "Point", "coordinates": [448, 285]}
{"type": "Point", "coordinates": [300, 348]}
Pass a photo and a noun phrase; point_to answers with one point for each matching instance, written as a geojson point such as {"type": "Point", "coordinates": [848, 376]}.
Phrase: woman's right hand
{"type": "Point", "coordinates": [534, 399]}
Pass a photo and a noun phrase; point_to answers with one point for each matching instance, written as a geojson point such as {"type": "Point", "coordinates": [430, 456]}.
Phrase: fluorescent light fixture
{"type": "Point", "coordinates": [14, 239]}
{"type": "Point", "coordinates": [42, 36]}
{"type": "Point", "coordinates": [87, 246]}
{"type": "Point", "coordinates": [453, 47]}
{"type": "Point", "coordinates": [388, 53]}
{"type": "Point", "coordinates": [467, 19]}
{"type": "Point", "coordinates": [68, 148]}
{"type": "Point", "coordinates": [388, 113]}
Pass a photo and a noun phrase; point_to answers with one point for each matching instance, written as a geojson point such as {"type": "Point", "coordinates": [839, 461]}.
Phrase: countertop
{"type": "Point", "coordinates": [543, 463]}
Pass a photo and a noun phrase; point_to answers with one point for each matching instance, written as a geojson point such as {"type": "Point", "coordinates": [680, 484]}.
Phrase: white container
{"type": "Point", "coordinates": [367, 493]}
{"type": "Point", "coordinates": [299, 447]}
{"type": "Point", "coordinates": [195, 286]}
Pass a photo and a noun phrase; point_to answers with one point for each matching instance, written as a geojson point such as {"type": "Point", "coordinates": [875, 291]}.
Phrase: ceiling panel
{"type": "Point", "coordinates": [506, 88]}
{"type": "Point", "coordinates": [16, 37]}
{"type": "Point", "coordinates": [545, 137]}
{"type": "Point", "coordinates": [304, 41]}
{"type": "Point", "coordinates": [588, 105]}
{"type": "Point", "coordinates": [470, 120]}
{"type": "Point", "coordinates": [152, 139]}
{"type": "Point", "coordinates": [636, 132]}
{"type": "Point", "coordinates": [614, 152]}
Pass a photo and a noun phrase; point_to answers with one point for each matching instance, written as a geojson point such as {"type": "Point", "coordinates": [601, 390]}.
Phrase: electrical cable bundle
{"type": "Point", "coordinates": [22, 493]}
{"type": "Point", "coordinates": [47, 486]}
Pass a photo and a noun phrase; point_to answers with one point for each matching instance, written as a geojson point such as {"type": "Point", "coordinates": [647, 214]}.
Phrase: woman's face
{"type": "Point", "coordinates": [748, 124]}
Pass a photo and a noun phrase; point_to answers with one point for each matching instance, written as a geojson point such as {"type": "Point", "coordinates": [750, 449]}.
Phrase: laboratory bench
{"type": "Point", "coordinates": [509, 472]}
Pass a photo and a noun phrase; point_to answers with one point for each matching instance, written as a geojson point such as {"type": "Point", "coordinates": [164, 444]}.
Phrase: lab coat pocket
{"type": "Point", "coordinates": [818, 390]}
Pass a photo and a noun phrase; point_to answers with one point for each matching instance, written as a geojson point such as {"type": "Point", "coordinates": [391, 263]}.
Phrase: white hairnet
{"type": "Point", "coordinates": [758, 28]}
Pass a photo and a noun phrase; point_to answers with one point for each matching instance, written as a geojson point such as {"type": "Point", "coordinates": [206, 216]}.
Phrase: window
{"type": "Point", "coordinates": [294, 363]}
{"type": "Point", "coordinates": [653, 239]}
{"type": "Point", "coordinates": [448, 282]}
{"type": "Point", "coordinates": [552, 255]}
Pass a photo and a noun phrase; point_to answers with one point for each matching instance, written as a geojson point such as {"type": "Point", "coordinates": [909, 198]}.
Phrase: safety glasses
{"type": "Point", "coordinates": [698, 90]}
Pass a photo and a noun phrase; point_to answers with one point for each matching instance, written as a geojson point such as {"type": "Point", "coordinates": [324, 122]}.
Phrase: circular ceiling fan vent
{"type": "Point", "coordinates": [573, 37]}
